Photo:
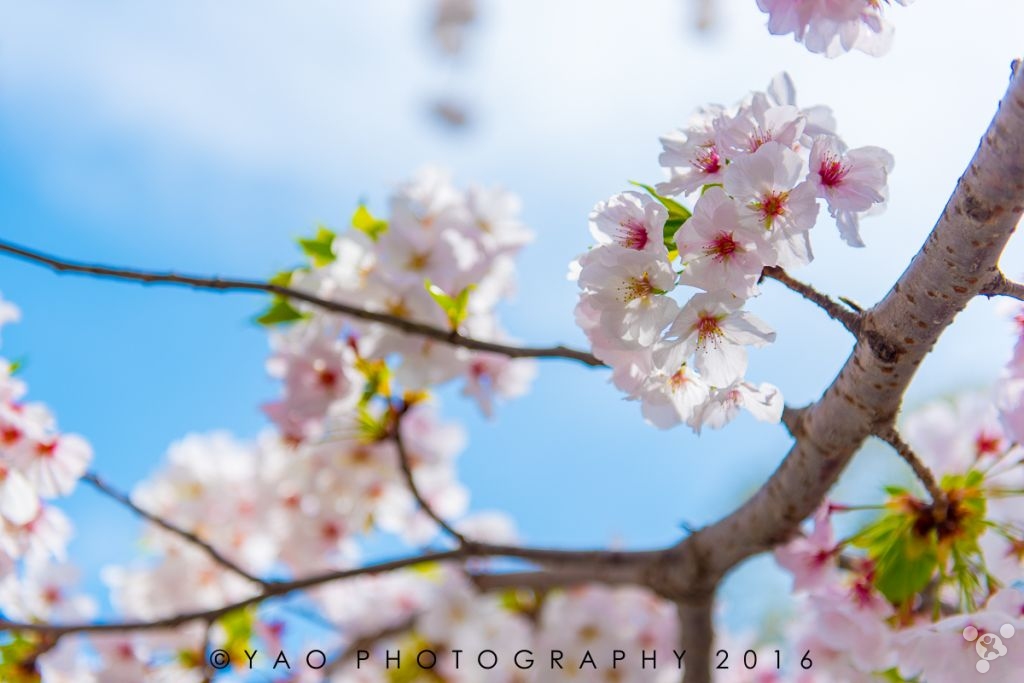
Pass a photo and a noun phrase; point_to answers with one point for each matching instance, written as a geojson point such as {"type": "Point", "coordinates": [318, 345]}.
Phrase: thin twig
{"type": "Point", "coordinates": [846, 317]}
{"type": "Point", "coordinates": [226, 284]}
{"type": "Point", "coordinates": [406, 466]}
{"type": "Point", "coordinates": [188, 536]}
{"type": "Point", "coordinates": [925, 475]}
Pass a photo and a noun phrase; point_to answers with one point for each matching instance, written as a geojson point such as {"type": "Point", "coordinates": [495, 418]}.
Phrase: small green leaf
{"type": "Point", "coordinates": [280, 312]}
{"type": "Point", "coordinates": [455, 307]}
{"type": "Point", "coordinates": [904, 560]}
{"type": "Point", "coordinates": [677, 215]}
{"type": "Point", "coordinates": [367, 223]}
{"type": "Point", "coordinates": [17, 365]}
{"type": "Point", "coordinates": [320, 249]}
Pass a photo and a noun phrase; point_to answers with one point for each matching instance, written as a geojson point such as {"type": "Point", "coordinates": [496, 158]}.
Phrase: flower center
{"type": "Point", "coordinates": [707, 159]}
{"type": "Point", "coordinates": [758, 138]}
{"type": "Point", "coordinates": [637, 288]}
{"type": "Point", "coordinates": [709, 329]}
{"type": "Point", "coordinates": [722, 247]}
{"type": "Point", "coordinates": [832, 171]}
{"type": "Point", "coordinates": [771, 206]}
{"type": "Point", "coordinates": [632, 234]}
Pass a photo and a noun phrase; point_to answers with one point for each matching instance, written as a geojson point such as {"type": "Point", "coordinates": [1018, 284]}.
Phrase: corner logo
{"type": "Point", "coordinates": [989, 646]}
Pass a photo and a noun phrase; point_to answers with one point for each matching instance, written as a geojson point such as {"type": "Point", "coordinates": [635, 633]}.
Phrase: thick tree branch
{"type": "Point", "coordinates": [229, 285]}
{"type": "Point", "coordinates": [542, 580]}
{"type": "Point", "coordinates": [187, 536]}
{"type": "Point", "coordinates": [847, 318]}
{"type": "Point", "coordinates": [696, 636]}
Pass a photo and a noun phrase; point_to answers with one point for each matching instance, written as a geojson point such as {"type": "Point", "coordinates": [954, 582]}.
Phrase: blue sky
{"type": "Point", "coordinates": [203, 137]}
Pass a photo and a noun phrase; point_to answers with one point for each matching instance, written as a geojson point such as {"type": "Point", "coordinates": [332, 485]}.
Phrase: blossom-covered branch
{"type": "Point", "coordinates": [440, 334]}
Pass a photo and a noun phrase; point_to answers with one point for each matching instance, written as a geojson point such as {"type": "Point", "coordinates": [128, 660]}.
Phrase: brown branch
{"type": "Point", "coordinates": [849, 319]}
{"type": "Point", "coordinates": [187, 536]}
{"type": "Point", "coordinates": [603, 566]}
{"type": "Point", "coordinates": [406, 466]}
{"type": "Point", "coordinates": [1000, 285]}
{"type": "Point", "coordinates": [227, 285]}
{"type": "Point", "coordinates": [541, 580]}
{"type": "Point", "coordinates": [696, 637]}
{"type": "Point", "coordinates": [921, 471]}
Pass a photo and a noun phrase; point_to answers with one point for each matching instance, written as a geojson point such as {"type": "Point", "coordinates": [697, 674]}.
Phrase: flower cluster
{"type": "Point", "coordinates": [38, 464]}
{"type": "Point", "coordinates": [832, 27]}
{"type": "Point", "coordinates": [444, 257]}
{"type": "Point", "coordinates": [761, 168]}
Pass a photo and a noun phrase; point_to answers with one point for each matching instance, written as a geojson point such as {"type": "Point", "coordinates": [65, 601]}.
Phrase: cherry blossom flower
{"type": "Point", "coordinates": [630, 220]}
{"type": "Point", "coordinates": [851, 181]}
{"type": "Point", "coordinates": [674, 391]}
{"type": "Point", "coordinates": [763, 401]}
{"type": "Point", "coordinates": [719, 253]}
{"type": "Point", "coordinates": [766, 184]}
{"type": "Point", "coordinates": [716, 330]}
{"type": "Point", "coordinates": [628, 288]}
{"type": "Point", "coordinates": [692, 154]}
{"type": "Point", "coordinates": [812, 559]}
{"type": "Point", "coordinates": [831, 27]}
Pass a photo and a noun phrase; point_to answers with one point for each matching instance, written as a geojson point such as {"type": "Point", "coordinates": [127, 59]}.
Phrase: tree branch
{"type": "Point", "coordinates": [601, 565]}
{"type": "Point", "coordinates": [230, 285]}
{"type": "Point", "coordinates": [1000, 285]}
{"type": "Point", "coordinates": [849, 319]}
{"type": "Point", "coordinates": [187, 536]}
{"type": "Point", "coordinates": [696, 636]}
{"type": "Point", "coordinates": [406, 466]}
{"type": "Point", "coordinates": [921, 471]}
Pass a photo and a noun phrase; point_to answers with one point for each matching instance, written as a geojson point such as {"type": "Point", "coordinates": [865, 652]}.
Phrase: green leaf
{"type": "Point", "coordinates": [280, 312]}
{"type": "Point", "coordinates": [904, 560]}
{"type": "Point", "coordinates": [677, 215]}
{"type": "Point", "coordinates": [455, 307]}
{"type": "Point", "coordinates": [238, 629]}
{"type": "Point", "coordinates": [365, 222]}
{"type": "Point", "coordinates": [17, 365]}
{"type": "Point", "coordinates": [320, 249]}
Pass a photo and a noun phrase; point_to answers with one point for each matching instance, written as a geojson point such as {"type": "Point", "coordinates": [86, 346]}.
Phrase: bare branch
{"type": "Point", "coordinates": [601, 565]}
{"type": "Point", "coordinates": [229, 285]}
{"type": "Point", "coordinates": [406, 465]}
{"type": "Point", "coordinates": [541, 580]}
{"type": "Point", "coordinates": [847, 318]}
{"type": "Point", "coordinates": [187, 536]}
{"type": "Point", "coordinates": [921, 471]}
{"type": "Point", "coordinates": [1000, 285]}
